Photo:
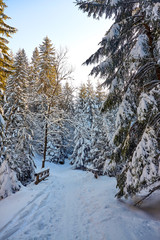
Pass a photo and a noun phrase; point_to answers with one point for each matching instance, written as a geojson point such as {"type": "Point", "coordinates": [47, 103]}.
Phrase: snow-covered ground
{"type": "Point", "coordinates": [72, 205]}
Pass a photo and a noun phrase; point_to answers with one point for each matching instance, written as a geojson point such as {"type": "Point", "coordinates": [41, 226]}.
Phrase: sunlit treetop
{"type": "Point", "coordinates": [5, 32]}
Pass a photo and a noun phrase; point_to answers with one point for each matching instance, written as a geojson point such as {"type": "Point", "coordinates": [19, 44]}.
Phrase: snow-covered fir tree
{"type": "Point", "coordinates": [34, 71]}
{"type": "Point", "coordinates": [18, 135]}
{"type": "Point", "coordinates": [35, 102]}
{"type": "Point", "coordinates": [99, 142]}
{"type": "Point", "coordinates": [91, 143]}
{"type": "Point", "coordinates": [5, 64]}
{"type": "Point", "coordinates": [47, 87]}
{"type": "Point", "coordinates": [47, 78]}
{"type": "Point", "coordinates": [5, 58]}
{"type": "Point", "coordinates": [128, 61]}
{"type": "Point", "coordinates": [83, 123]}
{"type": "Point", "coordinates": [100, 94]}
{"type": "Point", "coordinates": [51, 105]}
{"type": "Point", "coordinates": [60, 137]}
{"type": "Point", "coordinates": [67, 105]}
{"type": "Point", "coordinates": [7, 183]}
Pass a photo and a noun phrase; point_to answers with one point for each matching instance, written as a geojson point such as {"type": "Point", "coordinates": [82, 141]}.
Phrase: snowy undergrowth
{"type": "Point", "coordinates": [69, 205]}
{"type": "Point", "coordinates": [8, 181]}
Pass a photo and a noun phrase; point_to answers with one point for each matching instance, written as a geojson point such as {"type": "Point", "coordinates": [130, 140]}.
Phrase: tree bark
{"type": "Point", "coordinates": [46, 137]}
{"type": "Point", "coordinates": [45, 145]}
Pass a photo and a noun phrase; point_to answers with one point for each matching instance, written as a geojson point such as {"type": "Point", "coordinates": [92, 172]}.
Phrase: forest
{"type": "Point", "coordinates": [112, 129]}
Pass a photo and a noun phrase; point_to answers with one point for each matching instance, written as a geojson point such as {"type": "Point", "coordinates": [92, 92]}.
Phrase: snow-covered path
{"type": "Point", "coordinates": [72, 205]}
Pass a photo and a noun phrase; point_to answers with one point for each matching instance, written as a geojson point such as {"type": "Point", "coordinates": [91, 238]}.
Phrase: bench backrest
{"type": "Point", "coordinates": [41, 175]}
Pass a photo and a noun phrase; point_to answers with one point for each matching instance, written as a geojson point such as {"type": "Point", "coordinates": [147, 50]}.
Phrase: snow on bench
{"type": "Point", "coordinates": [41, 175]}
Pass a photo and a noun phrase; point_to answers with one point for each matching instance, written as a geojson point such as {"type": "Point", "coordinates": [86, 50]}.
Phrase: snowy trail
{"type": "Point", "coordinates": [72, 205]}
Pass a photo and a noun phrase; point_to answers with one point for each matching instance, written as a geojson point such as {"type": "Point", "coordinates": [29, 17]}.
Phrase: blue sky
{"type": "Point", "coordinates": [63, 23]}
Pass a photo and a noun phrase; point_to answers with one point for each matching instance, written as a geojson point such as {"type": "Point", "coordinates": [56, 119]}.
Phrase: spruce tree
{"type": "Point", "coordinates": [99, 142]}
{"type": "Point", "coordinates": [67, 97]}
{"type": "Point", "coordinates": [47, 79]}
{"type": "Point", "coordinates": [62, 111]}
{"type": "Point", "coordinates": [47, 85]}
{"type": "Point", "coordinates": [100, 149]}
{"type": "Point", "coordinates": [128, 61]}
{"type": "Point", "coordinates": [51, 114]}
{"type": "Point", "coordinates": [34, 71]}
{"type": "Point", "coordinates": [83, 124]}
{"type": "Point", "coordinates": [61, 126]}
{"type": "Point", "coordinates": [100, 94]}
{"type": "Point", "coordinates": [5, 59]}
{"type": "Point", "coordinates": [19, 152]}
{"type": "Point", "coordinates": [5, 65]}
{"type": "Point", "coordinates": [91, 142]}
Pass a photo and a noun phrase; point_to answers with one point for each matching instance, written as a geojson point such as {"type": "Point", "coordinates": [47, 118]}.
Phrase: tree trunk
{"type": "Point", "coordinates": [45, 145]}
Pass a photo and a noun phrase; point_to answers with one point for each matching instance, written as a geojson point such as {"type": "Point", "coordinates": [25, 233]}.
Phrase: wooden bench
{"type": "Point", "coordinates": [41, 175]}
